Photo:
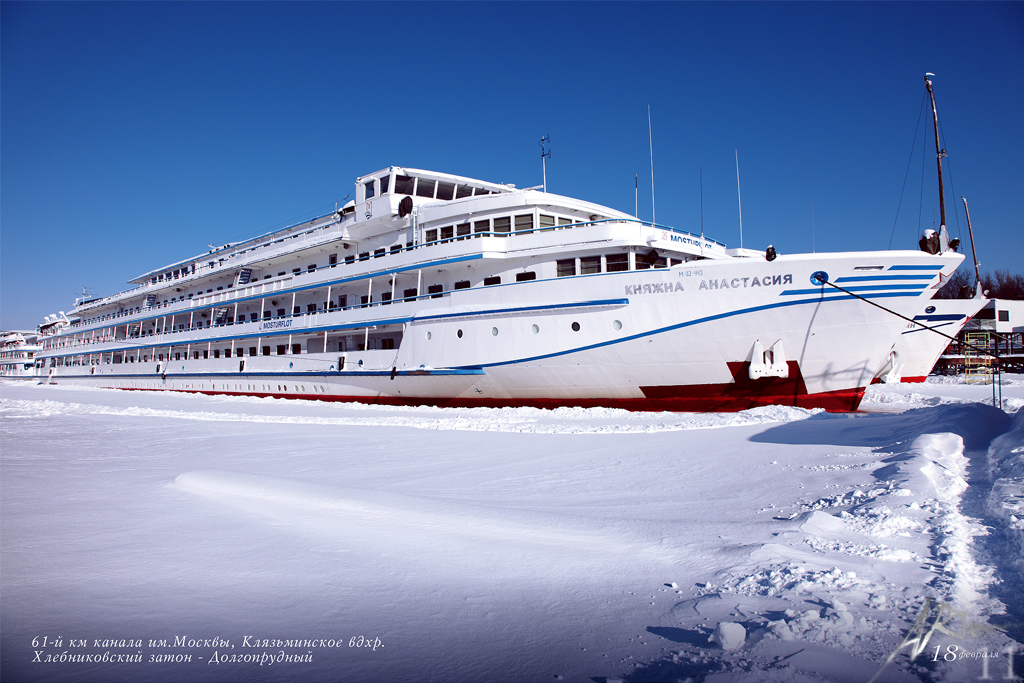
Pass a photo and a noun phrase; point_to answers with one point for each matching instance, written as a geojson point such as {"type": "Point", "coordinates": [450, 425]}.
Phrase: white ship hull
{"type": "Point", "coordinates": [450, 291]}
{"type": "Point", "coordinates": [917, 349]}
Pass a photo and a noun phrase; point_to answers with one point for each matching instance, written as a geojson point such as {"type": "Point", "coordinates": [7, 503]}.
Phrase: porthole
{"type": "Point", "coordinates": [575, 327]}
{"type": "Point", "coordinates": [536, 329]}
{"type": "Point", "coordinates": [428, 336]}
{"type": "Point", "coordinates": [459, 334]}
{"type": "Point", "coordinates": [617, 324]}
{"type": "Point", "coordinates": [494, 331]}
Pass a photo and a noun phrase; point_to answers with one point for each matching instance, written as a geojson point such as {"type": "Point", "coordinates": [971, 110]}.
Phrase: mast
{"type": "Point", "coordinates": [545, 154]}
{"type": "Point", "coordinates": [939, 153]}
{"type": "Point", "coordinates": [974, 253]}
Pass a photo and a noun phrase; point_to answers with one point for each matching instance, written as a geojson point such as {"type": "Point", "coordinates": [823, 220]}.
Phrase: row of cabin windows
{"type": "Point", "coordinates": [613, 263]}
{"type": "Point", "coordinates": [435, 291]}
{"type": "Point", "coordinates": [385, 343]}
{"type": "Point", "coordinates": [174, 274]}
{"type": "Point", "coordinates": [423, 187]}
{"type": "Point", "coordinates": [504, 225]}
{"type": "Point", "coordinates": [524, 223]}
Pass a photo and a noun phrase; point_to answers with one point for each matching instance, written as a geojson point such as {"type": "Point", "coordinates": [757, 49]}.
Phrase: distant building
{"type": "Point", "coordinates": [1000, 315]}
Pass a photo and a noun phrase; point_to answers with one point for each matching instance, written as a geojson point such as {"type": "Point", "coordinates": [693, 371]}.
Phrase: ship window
{"type": "Point", "coordinates": [575, 327]}
{"type": "Point", "coordinates": [403, 184]}
{"type": "Point", "coordinates": [384, 184]}
{"type": "Point", "coordinates": [463, 191]}
{"type": "Point", "coordinates": [502, 225]}
{"type": "Point", "coordinates": [377, 253]}
{"type": "Point", "coordinates": [266, 350]}
{"type": "Point", "coordinates": [310, 308]}
{"type": "Point", "coordinates": [332, 260]}
{"type": "Point", "coordinates": [296, 310]}
{"type": "Point", "coordinates": [409, 293]}
{"type": "Point", "coordinates": [526, 277]}
{"type": "Point", "coordinates": [435, 291]}
{"type": "Point", "coordinates": [351, 258]}
{"type": "Point", "coordinates": [447, 233]}
{"type": "Point", "coordinates": [369, 189]}
{"type": "Point", "coordinates": [254, 316]}
{"type": "Point", "coordinates": [206, 355]}
{"type": "Point", "coordinates": [311, 267]}
{"type": "Point", "coordinates": [252, 350]}
{"type": "Point", "coordinates": [195, 355]}
{"type": "Point", "coordinates": [280, 313]}
{"type": "Point", "coordinates": [524, 223]}
{"type": "Point", "coordinates": [462, 284]}
{"type": "Point", "coordinates": [282, 349]}
{"type": "Point", "coordinates": [296, 349]}
{"type": "Point", "coordinates": [279, 275]}
{"type": "Point", "coordinates": [615, 263]}
{"type": "Point", "coordinates": [564, 221]}
{"type": "Point", "coordinates": [481, 227]}
{"type": "Point", "coordinates": [295, 271]}
{"type": "Point", "coordinates": [216, 353]}
{"type": "Point", "coordinates": [462, 230]}
{"type": "Point", "coordinates": [1004, 316]}
{"type": "Point", "coordinates": [432, 235]}
{"type": "Point", "coordinates": [396, 248]}
{"type": "Point", "coordinates": [385, 298]}
{"type": "Point", "coordinates": [566, 267]}
{"type": "Point", "coordinates": [547, 222]}
{"type": "Point", "coordinates": [445, 190]}
{"type": "Point", "coordinates": [590, 264]}
{"type": "Point", "coordinates": [425, 188]}
{"type": "Point", "coordinates": [365, 300]}
{"type": "Point", "coordinates": [364, 256]}
{"type": "Point", "coordinates": [343, 300]}
{"type": "Point", "coordinates": [495, 280]}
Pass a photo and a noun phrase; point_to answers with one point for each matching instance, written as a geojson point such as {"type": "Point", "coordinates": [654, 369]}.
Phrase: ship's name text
{"type": "Point", "coordinates": [743, 282]}
{"type": "Point", "coordinates": [654, 288]}
{"type": "Point", "coordinates": [276, 324]}
{"type": "Point", "coordinates": [713, 283]}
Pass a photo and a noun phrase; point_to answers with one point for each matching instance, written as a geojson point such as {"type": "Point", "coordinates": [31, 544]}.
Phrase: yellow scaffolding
{"type": "Point", "coordinates": [977, 366]}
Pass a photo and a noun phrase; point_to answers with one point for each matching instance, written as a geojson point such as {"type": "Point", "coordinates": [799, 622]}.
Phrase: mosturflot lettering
{"type": "Point", "coordinates": [746, 282]}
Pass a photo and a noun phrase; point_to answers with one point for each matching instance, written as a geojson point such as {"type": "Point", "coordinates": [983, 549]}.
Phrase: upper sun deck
{"type": "Point", "coordinates": [410, 208]}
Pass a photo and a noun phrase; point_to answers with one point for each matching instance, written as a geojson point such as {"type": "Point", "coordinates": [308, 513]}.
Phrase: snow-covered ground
{"type": "Point", "coordinates": [158, 537]}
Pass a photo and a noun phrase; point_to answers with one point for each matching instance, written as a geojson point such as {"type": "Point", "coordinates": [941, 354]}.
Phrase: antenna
{"type": "Point", "coordinates": [636, 196]}
{"type": "Point", "coordinates": [545, 154]}
{"type": "Point", "coordinates": [739, 198]}
{"type": "Point", "coordinates": [650, 138]}
{"type": "Point", "coordinates": [702, 204]}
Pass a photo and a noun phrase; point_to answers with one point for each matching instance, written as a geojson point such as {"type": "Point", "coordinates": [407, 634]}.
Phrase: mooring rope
{"type": "Point", "coordinates": [914, 322]}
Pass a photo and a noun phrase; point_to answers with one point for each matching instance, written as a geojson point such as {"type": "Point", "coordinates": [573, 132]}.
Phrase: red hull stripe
{"type": "Point", "coordinates": [845, 400]}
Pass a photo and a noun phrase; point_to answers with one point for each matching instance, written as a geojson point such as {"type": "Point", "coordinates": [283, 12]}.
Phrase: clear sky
{"type": "Point", "coordinates": [133, 134]}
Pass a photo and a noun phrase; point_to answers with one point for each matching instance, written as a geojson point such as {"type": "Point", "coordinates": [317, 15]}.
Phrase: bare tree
{"type": "Point", "coordinates": [1003, 285]}
{"type": "Point", "coordinates": [960, 285]}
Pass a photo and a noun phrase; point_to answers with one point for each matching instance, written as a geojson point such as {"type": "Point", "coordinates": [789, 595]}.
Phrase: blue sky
{"type": "Point", "coordinates": [134, 134]}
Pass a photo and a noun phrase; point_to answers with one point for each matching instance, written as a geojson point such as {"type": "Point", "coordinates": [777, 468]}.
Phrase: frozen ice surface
{"type": "Point", "coordinates": [277, 540]}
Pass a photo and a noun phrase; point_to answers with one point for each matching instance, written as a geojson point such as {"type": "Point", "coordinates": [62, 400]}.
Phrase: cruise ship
{"type": "Point", "coordinates": [918, 348]}
{"type": "Point", "coordinates": [430, 288]}
{"type": "Point", "coordinates": [17, 351]}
